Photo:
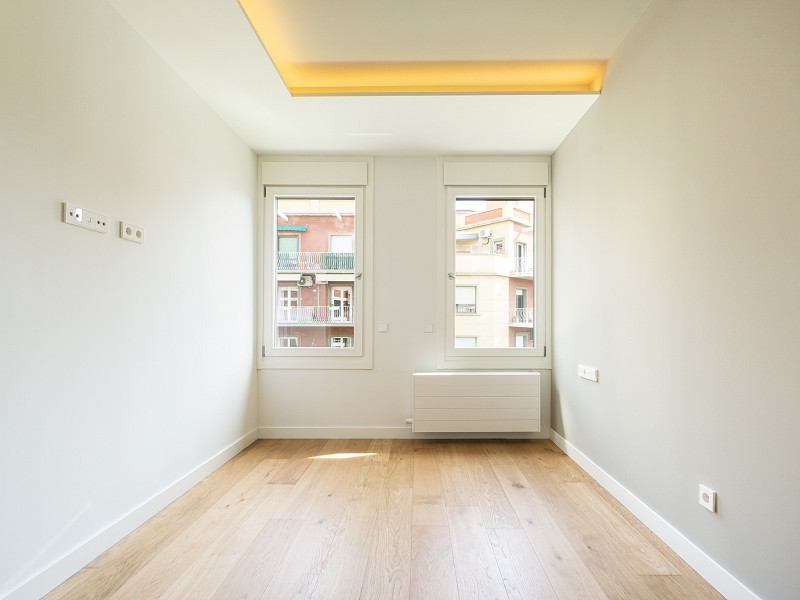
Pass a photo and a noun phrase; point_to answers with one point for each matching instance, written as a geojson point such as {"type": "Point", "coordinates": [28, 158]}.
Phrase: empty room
{"type": "Point", "coordinates": [412, 300]}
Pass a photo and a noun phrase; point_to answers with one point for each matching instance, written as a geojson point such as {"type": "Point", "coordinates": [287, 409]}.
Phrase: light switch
{"type": "Point", "coordinates": [427, 328]}
{"type": "Point", "coordinates": [383, 327]}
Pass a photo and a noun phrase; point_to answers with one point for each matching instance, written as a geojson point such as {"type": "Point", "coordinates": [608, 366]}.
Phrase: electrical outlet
{"type": "Point", "coordinates": [80, 217]}
{"type": "Point", "coordinates": [589, 373]}
{"type": "Point", "coordinates": [707, 498]}
{"type": "Point", "coordinates": [132, 233]}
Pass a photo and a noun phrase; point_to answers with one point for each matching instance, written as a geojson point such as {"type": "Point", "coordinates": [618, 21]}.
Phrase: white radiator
{"type": "Point", "coordinates": [476, 402]}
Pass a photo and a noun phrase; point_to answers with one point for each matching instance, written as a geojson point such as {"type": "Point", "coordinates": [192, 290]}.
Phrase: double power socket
{"type": "Point", "coordinates": [81, 217]}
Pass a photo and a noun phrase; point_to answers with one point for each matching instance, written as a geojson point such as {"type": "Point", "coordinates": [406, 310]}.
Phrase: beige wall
{"type": "Point", "coordinates": [677, 274]}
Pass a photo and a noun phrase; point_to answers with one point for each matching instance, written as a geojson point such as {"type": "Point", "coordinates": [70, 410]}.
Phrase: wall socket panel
{"type": "Point", "coordinates": [132, 233]}
{"type": "Point", "coordinates": [707, 498]}
{"type": "Point", "coordinates": [80, 217]}
{"type": "Point", "coordinates": [589, 373]}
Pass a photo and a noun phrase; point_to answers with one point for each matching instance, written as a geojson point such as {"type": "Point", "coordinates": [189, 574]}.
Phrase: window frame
{"type": "Point", "coordinates": [508, 178]}
{"type": "Point", "coordinates": [309, 177]}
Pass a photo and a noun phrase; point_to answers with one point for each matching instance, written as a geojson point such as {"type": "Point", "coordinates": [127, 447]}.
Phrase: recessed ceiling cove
{"type": "Point", "coordinates": [377, 47]}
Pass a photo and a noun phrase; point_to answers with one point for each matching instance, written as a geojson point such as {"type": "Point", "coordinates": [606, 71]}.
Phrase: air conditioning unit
{"type": "Point", "coordinates": [307, 280]}
{"type": "Point", "coordinates": [484, 233]}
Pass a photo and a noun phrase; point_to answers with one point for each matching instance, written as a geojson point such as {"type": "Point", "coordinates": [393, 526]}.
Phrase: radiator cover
{"type": "Point", "coordinates": [482, 402]}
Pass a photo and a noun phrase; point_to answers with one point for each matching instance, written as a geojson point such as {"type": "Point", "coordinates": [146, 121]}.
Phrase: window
{"type": "Point", "coordinates": [315, 246]}
{"type": "Point", "coordinates": [288, 305]}
{"type": "Point", "coordinates": [494, 308]}
{"type": "Point", "coordinates": [466, 300]}
{"type": "Point", "coordinates": [521, 262]}
{"type": "Point", "coordinates": [289, 341]}
{"type": "Point", "coordinates": [340, 341]}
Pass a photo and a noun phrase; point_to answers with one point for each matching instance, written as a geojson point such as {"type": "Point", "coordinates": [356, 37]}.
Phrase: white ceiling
{"type": "Point", "coordinates": [212, 46]}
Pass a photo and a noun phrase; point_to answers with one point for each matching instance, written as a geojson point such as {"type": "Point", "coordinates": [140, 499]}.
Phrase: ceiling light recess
{"type": "Point", "coordinates": [420, 78]}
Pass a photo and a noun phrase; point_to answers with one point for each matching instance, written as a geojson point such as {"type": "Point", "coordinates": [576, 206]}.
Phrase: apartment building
{"type": "Point", "coordinates": [315, 271]}
{"type": "Point", "coordinates": [494, 274]}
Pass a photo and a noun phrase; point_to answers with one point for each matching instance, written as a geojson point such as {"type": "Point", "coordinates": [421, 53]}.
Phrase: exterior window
{"type": "Point", "coordinates": [341, 304]}
{"type": "Point", "coordinates": [521, 340]}
{"type": "Point", "coordinates": [288, 305]}
{"type": "Point", "coordinates": [466, 300]}
{"type": "Point", "coordinates": [499, 246]}
{"type": "Point", "coordinates": [289, 341]}
{"type": "Point", "coordinates": [521, 262]}
{"type": "Point", "coordinates": [464, 341]}
{"type": "Point", "coordinates": [340, 341]}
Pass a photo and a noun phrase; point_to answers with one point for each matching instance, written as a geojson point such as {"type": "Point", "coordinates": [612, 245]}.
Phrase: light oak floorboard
{"type": "Point", "coordinates": [477, 573]}
{"type": "Point", "coordinates": [433, 573]}
{"type": "Point", "coordinates": [523, 575]}
{"type": "Point", "coordinates": [388, 569]}
{"type": "Point", "coordinates": [394, 520]}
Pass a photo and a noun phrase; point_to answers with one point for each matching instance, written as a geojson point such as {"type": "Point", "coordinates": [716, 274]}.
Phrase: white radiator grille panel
{"type": "Point", "coordinates": [476, 402]}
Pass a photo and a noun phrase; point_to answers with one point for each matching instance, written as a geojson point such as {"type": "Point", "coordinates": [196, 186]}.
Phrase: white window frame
{"type": "Point", "coordinates": [309, 177]}
{"type": "Point", "coordinates": [508, 178]}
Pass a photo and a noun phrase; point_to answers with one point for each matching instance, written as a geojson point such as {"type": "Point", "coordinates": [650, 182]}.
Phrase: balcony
{"type": "Point", "coordinates": [520, 317]}
{"type": "Point", "coordinates": [315, 315]}
{"type": "Point", "coordinates": [316, 261]}
{"type": "Point", "coordinates": [523, 266]}
{"type": "Point", "coordinates": [466, 309]}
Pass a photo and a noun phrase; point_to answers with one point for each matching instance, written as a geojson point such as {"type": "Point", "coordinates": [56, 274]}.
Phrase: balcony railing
{"type": "Point", "coordinates": [316, 261]}
{"type": "Point", "coordinates": [521, 316]}
{"type": "Point", "coordinates": [466, 309]}
{"type": "Point", "coordinates": [523, 265]}
{"type": "Point", "coordinates": [315, 315]}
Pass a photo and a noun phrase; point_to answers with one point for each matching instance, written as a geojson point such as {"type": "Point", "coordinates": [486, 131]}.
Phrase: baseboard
{"type": "Point", "coordinates": [724, 582]}
{"type": "Point", "coordinates": [63, 568]}
{"type": "Point", "coordinates": [381, 433]}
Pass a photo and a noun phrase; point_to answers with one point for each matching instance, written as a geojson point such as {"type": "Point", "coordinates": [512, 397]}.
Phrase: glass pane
{"type": "Point", "coordinates": [314, 273]}
{"type": "Point", "coordinates": [495, 276]}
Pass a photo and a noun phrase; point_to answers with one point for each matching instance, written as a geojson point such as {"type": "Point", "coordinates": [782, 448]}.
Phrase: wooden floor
{"type": "Point", "coordinates": [410, 519]}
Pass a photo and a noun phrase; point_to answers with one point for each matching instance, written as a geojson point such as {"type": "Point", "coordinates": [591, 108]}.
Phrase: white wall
{"type": "Point", "coordinates": [122, 366]}
{"type": "Point", "coordinates": [377, 402]}
{"type": "Point", "coordinates": [677, 274]}
{"type": "Point", "coordinates": [404, 296]}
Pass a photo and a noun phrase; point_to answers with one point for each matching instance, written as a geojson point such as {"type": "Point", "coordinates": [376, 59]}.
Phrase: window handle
{"type": "Point", "coordinates": [358, 275]}
{"type": "Point", "coordinates": [451, 275]}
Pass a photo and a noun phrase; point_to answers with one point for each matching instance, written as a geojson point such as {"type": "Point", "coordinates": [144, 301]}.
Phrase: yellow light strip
{"type": "Point", "coordinates": [396, 78]}
{"type": "Point", "coordinates": [443, 77]}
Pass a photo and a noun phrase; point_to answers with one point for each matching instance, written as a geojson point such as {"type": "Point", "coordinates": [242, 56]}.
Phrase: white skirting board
{"type": "Point", "coordinates": [380, 433]}
{"type": "Point", "coordinates": [724, 582]}
{"type": "Point", "coordinates": [63, 568]}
